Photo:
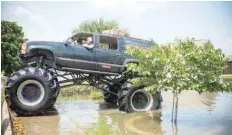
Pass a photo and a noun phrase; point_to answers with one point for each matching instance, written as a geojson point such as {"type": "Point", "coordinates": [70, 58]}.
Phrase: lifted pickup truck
{"type": "Point", "coordinates": [52, 65]}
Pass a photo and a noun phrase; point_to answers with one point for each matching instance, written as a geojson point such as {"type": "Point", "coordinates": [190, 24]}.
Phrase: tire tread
{"type": "Point", "coordinates": [33, 71]}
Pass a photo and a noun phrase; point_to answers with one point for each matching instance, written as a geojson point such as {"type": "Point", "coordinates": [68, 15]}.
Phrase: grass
{"type": "Point", "coordinates": [76, 89]}
{"type": "Point", "coordinates": [96, 95]}
{"type": "Point", "coordinates": [79, 92]}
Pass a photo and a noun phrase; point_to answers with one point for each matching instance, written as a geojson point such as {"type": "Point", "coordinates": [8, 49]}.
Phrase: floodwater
{"type": "Point", "coordinates": [204, 114]}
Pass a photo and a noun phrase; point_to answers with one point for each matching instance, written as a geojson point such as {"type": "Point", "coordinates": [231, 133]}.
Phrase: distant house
{"type": "Point", "coordinates": [228, 70]}
{"type": "Point", "coordinates": [202, 42]}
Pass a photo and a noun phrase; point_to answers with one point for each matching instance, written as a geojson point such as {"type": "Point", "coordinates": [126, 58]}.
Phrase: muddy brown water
{"type": "Point", "coordinates": [204, 114]}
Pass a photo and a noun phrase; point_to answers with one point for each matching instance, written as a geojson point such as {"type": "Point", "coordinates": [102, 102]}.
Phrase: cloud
{"type": "Point", "coordinates": [128, 7]}
{"type": "Point", "coordinates": [230, 41]}
{"type": "Point", "coordinates": [33, 16]}
{"type": "Point", "coordinates": [35, 25]}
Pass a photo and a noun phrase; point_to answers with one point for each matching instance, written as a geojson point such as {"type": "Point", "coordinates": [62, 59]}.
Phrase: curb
{"type": "Point", "coordinates": [6, 121]}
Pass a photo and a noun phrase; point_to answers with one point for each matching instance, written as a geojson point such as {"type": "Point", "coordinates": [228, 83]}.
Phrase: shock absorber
{"type": "Point", "coordinates": [40, 62]}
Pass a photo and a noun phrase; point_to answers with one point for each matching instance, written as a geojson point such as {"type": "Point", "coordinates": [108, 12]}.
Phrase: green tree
{"type": "Point", "coordinates": [179, 66]}
{"type": "Point", "coordinates": [11, 40]}
{"type": "Point", "coordinates": [153, 42]}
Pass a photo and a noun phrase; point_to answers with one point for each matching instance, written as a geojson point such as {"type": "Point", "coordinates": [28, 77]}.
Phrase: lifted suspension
{"type": "Point", "coordinates": [101, 82]}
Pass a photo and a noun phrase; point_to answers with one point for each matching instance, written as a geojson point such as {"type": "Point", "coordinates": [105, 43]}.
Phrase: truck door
{"type": "Point", "coordinates": [77, 57]}
{"type": "Point", "coordinates": [108, 57]}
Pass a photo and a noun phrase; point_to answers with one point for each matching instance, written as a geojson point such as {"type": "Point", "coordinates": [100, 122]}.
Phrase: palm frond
{"type": "Point", "coordinates": [97, 25]}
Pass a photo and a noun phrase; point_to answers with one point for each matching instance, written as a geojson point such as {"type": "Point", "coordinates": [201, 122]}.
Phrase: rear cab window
{"type": "Point", "coordinates": [123, 41]}
{"type": "Point", "coordinates": [108, 42]}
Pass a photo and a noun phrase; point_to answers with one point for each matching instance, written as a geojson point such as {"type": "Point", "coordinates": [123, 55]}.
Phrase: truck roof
{"type": "Point", "coordinates": [122, 36]}
{"type": "Point", "coordinates": [130, 40]}
{"type": "Point", "coordinates": [125, 39]}
{"type": "Point", "coordinates": [112, 35]}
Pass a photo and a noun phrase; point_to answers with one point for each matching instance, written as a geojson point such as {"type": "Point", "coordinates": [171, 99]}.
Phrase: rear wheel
{"type": "Point", "coordinates": [30, 91]}
{"type": "Point", "coordinates": [138, 100]}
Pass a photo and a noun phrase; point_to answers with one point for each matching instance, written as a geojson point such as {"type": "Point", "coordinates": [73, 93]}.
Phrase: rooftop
{"type": "Point", "coordinates": [229, 56]}
{"type": "Point", "coordinates": [201, 41]}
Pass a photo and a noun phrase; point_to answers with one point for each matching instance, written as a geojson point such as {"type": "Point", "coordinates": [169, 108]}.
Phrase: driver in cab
{"type": "Point", "coordinates": [89, 43]}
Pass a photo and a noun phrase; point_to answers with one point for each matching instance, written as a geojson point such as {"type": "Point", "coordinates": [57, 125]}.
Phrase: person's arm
{"type": "Point", "coordinates": [89, 46]}
{"type": "Point", "coordinates": [85, 45]}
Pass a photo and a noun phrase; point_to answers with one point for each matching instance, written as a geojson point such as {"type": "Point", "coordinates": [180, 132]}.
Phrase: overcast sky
{"type": "Point", "coordinates": [162, 21]}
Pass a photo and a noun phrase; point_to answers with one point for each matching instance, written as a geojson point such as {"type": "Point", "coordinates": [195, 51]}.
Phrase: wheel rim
{"type": "Point", "coordinates": [30, 92]}
{"type": "Point", "coordinates": [140, 100]}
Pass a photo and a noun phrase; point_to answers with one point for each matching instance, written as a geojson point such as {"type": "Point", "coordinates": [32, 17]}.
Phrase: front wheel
{"type": "Point", "coordinates": [30, 91]}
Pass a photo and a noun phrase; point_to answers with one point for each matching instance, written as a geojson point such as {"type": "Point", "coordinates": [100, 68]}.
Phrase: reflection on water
{"type": "Point", "coordinates": [204, 114]}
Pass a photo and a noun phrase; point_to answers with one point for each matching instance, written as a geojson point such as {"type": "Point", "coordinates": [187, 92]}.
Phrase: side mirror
{"type": "Point", "coordinates": [68, 43]}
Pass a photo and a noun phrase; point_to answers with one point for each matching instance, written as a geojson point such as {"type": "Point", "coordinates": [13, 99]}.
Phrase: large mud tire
{"type": "Point", "coordinates": [127, 97]}
{"type": "Point", "coordinates": [55, 94]}
{"type": "Point", "coordinates": [26, 81]}
{"type": "Point", "coordinates": [110, 98]}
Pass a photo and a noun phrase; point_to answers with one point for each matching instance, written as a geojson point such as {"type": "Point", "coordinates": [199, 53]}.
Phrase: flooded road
{"type": "Point", "coordinates": [205, 114]}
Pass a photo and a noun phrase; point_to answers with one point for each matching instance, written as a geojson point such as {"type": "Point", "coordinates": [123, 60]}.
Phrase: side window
{"type": "Point", "coordinates": [107, 42]}
{"type": "Point", "coordinates": [82, 38]}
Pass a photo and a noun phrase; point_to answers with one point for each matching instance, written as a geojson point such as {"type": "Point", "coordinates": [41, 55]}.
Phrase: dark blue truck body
{"type": "Point", "coordinates": [75, 57]}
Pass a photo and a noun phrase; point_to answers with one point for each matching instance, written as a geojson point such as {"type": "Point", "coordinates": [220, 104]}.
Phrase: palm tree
{"type": "Point", "coordinates": [98, 25]}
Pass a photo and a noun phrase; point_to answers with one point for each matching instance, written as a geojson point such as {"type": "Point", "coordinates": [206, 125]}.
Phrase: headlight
{"type": "Point", "coordinates": [24, 48]}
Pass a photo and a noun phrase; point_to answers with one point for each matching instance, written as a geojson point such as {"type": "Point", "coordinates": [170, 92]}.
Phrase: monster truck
{"type": "Point", "coordinates": [52, 65]}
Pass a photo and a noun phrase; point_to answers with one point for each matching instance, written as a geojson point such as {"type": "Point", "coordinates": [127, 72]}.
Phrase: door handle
{"type": "Point", "coordinates": [118, 54]}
